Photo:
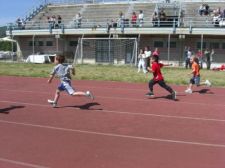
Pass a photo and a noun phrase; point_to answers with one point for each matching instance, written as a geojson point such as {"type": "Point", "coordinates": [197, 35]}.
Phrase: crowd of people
{"type": "Point", "coordinates": [54, 21]}
{"type": "Point", "coordinates": [137, 20]}
{"type": "Point", "coordinates": [205, 56]}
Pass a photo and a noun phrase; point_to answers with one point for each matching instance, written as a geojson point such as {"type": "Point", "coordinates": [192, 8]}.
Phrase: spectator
{"type": "Point", "coordinates": [141, 18]}
{"type": "Point", "coordinates": [78, 19]}
{"type": "Point", "coordinates": [187, 57]}
{"type": "Point", "coordinates": [121, 21]}
{"type": "Point", "coordinates": [162, 17]}
{"type": "Point", "coordinates": [207, 56]}
{"type": "Point", "coordinates": [207, 11]}
{"type": "Point", "coordinates": [23, 24]}
{"type": "Point", "coordinates": [52, 21]}
{"type": "Point", "coordinates": [182, 13]}
{"type": "Point", "coordinates": [148, 54]}
{"type": "Point", "coordinates": [134, 19]}
{"type": "Point", "coordinates": [155, 19]}
{"type": "Point", "coordinates": [211, 56]}
{"type": "Point", "coordinates": [216, 19]}
{"type": "Point", "coordinates": [141, 62]}
{"type": "Point", "coordinates": [201, 9]}
{"type": "Point", "coordinates": [19, 23]}
{"type": "Point", "coordinates": [110, 24]}
{"type": "Point", "coordinates": [59, 21]}
{"type": "Point", "coordinates": [156, 52]}
{"type": "Point", "coordinates": [199, 55]}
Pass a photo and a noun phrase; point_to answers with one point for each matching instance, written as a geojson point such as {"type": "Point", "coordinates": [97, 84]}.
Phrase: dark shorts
{"type": "Point", "coordinates": [195, 80]}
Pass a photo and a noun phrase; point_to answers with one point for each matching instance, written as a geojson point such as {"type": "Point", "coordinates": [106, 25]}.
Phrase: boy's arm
{"type": "Point", "coordinates": [50, 79]}
{"type": "Point", "coordinates": [150, 69]}
{"type": "Point", "coordinates": [73, 71]}
{"type": "Point", "coordinates": [167, 64]}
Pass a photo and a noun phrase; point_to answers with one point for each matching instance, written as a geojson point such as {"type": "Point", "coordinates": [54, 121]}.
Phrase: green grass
{"type": "Point", "coordinates": [123, 73]}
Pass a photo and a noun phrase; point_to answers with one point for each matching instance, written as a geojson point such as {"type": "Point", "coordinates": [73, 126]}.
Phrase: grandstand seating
{"type": "Point", "coordinates": [94, 14]}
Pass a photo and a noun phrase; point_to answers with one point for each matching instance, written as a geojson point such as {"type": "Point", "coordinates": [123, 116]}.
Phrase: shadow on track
{"type": "Point", "coordinates": [87, 106]}
{"type": "Point", "coordinates": [8, 109]}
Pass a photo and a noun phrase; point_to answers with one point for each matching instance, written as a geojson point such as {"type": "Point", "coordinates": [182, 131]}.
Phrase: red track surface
{"type": "Point", "coordinates": [121, 128]}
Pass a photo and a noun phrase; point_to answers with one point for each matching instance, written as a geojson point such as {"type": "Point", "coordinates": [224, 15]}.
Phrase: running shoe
{"type": "Point", "coordinates": [188, 91]}
{"type": "Point", "coordinates": [52, 102]}
{"type": "Point", "coordinates": [208, 83]}
{"type": "Point", "coordinates": [174, 95]}
{"type": "Point", "coordinates": [150, 94]}
{"type": "Point", "coordinates": [90, 95]}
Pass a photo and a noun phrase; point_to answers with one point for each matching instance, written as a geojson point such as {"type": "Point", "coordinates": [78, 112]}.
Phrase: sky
{"type": "Point", "coordinates": [10, 10]}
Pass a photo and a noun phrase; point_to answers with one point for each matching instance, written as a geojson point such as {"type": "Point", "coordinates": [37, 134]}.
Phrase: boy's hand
{"type": "Point", "coordinates": [49, 81]}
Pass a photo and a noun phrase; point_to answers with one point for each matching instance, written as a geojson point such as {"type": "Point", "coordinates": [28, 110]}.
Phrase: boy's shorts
{"type": "Point", "coordinates": [195, 80]}
{"type": "Point", "coordinates": [66, 86]}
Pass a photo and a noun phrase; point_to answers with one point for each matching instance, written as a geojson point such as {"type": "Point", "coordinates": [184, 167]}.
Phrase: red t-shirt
{"type": "Point", "coordinates": [157, 75]}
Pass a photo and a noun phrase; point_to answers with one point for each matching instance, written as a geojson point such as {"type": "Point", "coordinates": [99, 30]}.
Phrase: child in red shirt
{"type": "Point", "coordinates": [158, 77]}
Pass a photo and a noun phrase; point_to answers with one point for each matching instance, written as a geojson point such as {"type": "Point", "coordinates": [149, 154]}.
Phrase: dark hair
{"type": "Point", "coordinates": [195, 59]}
{"type": "Point", "coordinates": [60, 58]}
{"type": "Point", "coordinates": [155, 58]}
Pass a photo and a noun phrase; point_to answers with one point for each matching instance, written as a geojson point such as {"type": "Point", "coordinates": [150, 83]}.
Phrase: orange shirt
{"type": "Point", "coordinates": [195, 69]}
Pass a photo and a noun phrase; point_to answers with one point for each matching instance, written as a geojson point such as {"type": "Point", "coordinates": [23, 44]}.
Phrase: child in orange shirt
{"type": "Point", "coordinates": [196, 75]}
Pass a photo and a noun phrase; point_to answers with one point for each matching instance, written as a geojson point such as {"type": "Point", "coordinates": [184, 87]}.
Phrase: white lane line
{"type": "Point", "coordinates": [165, 101]}
{"type": "Point", "coordinates": [131, 99]}
{"type": "Point", "coordinates": [22, 163]}
{"type": "Point", "coordinates": [116, 135]}
{"type": "Point", "coordinates": [125, 112]}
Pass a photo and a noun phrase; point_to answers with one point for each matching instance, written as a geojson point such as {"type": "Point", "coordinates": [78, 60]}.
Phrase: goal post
{"type": "Point", "coordinates": [106, 50]}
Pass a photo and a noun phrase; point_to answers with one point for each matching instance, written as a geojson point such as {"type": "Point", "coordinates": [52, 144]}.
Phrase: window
{"type": "Point", "coordinates": [40, 43]}
{"type": "Point", "coordinates": [31, 43]}
{"type": "Point", "coordinates": [158, 44]}
{"type": "Point", "coordinates": [223, 46]}
{"type": "Point", "coordinates": [49, 43]}
{"type": "Point", "coordinates": [199, 45]}
{"type": "Point", "coordinates": [73, 43]}
{"type": "Point", "coordinates": [214, 45]}
{"type": "Point", "coordinates": [173, 44]}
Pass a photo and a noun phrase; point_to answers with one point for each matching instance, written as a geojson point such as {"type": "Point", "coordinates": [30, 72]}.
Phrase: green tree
{"type": "Point", "coordinates": [5, 46]}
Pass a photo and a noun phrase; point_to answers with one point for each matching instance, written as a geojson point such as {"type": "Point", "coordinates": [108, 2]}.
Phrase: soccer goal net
{"type": "Point", "coordinates": [106, 50]}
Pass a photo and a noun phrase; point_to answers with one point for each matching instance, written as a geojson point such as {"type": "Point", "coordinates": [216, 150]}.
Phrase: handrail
{"type": "Point", "coordinates": [69, 24]}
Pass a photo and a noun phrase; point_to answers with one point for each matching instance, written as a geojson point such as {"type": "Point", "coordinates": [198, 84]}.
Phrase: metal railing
{"type": "Point", "coordinates": [70, 24]}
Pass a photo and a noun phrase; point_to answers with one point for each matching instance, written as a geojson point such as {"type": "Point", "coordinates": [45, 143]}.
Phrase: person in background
{"type": "Point", "coordinates": [148, 53]}
{"type": "Point", "coordinates": [141, 62]}
{"type": "Point", "coordinates": [207, 57]}
{"type": "Point", "coordinates": [156, 52]}
{"type": "Point", "coordinates": [199, 55]}
{"type": "Point", "coordinates": [141, 18]}
{"type": "Point", "coordinates": [134, 19]}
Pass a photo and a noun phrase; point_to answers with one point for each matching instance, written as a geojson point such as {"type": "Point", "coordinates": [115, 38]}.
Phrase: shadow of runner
{"type": "Point", "coordinates": [8, 109]}
{"type": "Point", "coordinates": [86, 106]}
{"type": "Point", "coordinates": [204, 91]}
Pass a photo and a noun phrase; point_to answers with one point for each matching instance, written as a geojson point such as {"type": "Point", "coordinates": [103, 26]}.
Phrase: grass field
{"type": "Point", "coordinates": [123, 73]}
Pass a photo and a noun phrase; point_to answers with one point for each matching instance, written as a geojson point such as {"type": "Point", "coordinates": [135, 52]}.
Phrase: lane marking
{"type": "Point", "coordinates": [116, 135]}
{"type": "Point", "coordinates": [131, 99]}
{"type": "Point", "coordinates": [22, 163]}
{"type": "Point", "coordinates": [125, 112]}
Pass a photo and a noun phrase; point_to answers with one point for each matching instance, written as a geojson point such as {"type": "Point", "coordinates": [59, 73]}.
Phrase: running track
{"type": "Point", "coordinates": [121, 128]}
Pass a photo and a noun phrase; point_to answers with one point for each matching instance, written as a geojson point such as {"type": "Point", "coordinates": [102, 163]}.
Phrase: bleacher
{"type": "Point", "coordinates": [192, 14]}
{"type": "Point", "coordinates": [94, 13]}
